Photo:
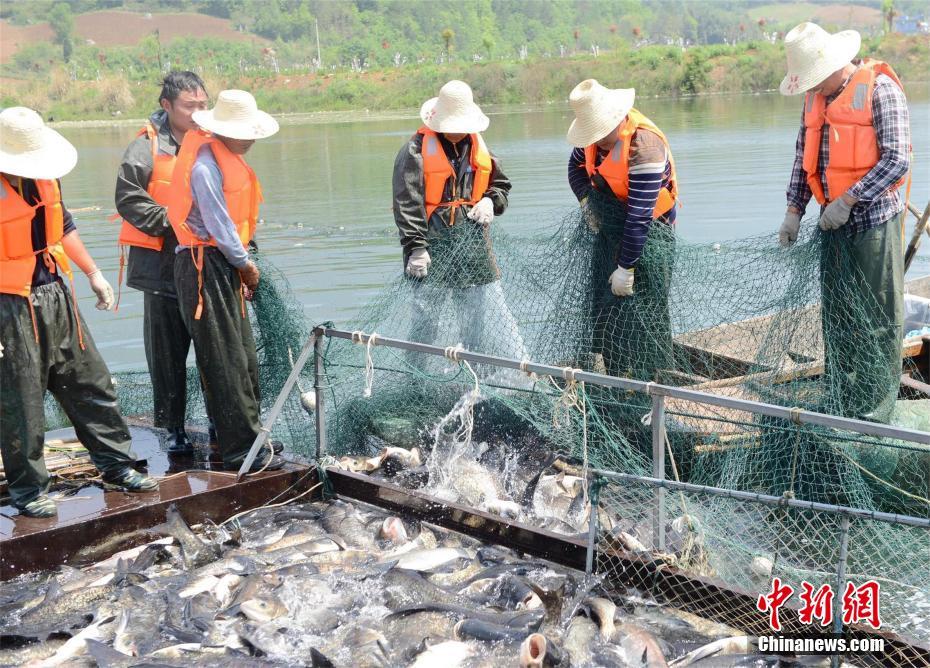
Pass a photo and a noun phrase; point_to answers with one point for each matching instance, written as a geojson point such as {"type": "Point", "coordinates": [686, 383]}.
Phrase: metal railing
{"type": "Point", "coordinates": [659, 485]}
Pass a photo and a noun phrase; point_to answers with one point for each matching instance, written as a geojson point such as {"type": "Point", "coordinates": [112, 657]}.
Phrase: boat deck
{"type": "Point", "coordinates": [93, 522]}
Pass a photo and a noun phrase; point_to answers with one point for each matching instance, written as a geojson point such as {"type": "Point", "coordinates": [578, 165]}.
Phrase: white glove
{"type": "Point", "coordinates": [483, 211]}
{"type": "Point", "coordinates": [835, 215]}
{"type": "Point", "coordinates": [418, 263]}
{"type": "Point", "coordinates": [788, 232]}
{"type": "Point", "coordinates": [621, 282]}
{"type": "Point", "coordinates": [102, 289]}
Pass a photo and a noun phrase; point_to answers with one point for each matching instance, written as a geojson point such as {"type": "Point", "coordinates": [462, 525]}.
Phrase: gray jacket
{"type": "Point", "coordinates": [150, 271]}
{"type": "Point", "coordinates": [446, 243]}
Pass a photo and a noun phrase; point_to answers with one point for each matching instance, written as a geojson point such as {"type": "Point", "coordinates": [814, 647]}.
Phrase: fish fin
{"type": "Point", "coordinates": [319, 660]}
{"type": "Point", "coordinates": [551, 600]}
{"type": "Point", "coordinates": [106, 656]}
{"type": "Point", "coordinates": [54, 591]}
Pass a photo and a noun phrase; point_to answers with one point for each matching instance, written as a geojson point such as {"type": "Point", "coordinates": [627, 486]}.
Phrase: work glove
{"type": "Point", "coordinates": [418, 263]}
{"type": "Point", "coordinates": [835, 215]}
{"type": "Point", "coordinates": [590, 218]}
{"type": "Point", "coordinates": [102, 289]}
{"type": "Point", "coordinates": [788, 232]}
{"type": "Point", "coordinates": [483, 212]}
{"type": "Point", "coordinates": [621, 282]}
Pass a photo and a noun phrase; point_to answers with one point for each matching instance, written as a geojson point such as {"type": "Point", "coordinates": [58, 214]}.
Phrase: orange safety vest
{"type": "Point", "coordinates": [18, 258]}
{"type": "Point", "coordinates": [241, 190]}
{"type": "Point", "coordinates": [853, 142]}
{"type": "Point", "coordinates": [162, 168]}
{"type": "Point", "coordinates": [437, 170]}
{"type": "Point", "coordinates": [615, 167]}
{"type": "Point", "coordinates": [157, 188]}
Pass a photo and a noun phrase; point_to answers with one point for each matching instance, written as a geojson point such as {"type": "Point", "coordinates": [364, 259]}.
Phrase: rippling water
{"type": "Point", "coordinates": [328, 221]}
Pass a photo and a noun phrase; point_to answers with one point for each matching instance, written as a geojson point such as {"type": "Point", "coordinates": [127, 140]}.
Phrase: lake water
{"type": "Point", "coordinates": [327, 211]}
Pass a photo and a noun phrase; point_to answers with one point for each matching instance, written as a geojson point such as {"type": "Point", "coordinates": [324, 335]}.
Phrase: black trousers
{"type": "Point", "coordinates": [167, 343]}
{"type": "Point", "coordinates": [225, 349]}
{"type": "Point", "coordinates": [78, 379]}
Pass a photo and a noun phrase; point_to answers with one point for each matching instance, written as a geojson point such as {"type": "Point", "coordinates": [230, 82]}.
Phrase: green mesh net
{"type": "Point", "coordinates": [745, 319]}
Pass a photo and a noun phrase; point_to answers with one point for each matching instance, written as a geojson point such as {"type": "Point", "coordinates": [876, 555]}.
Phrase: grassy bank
{"type": "Point", "coordinates": [653, 70]}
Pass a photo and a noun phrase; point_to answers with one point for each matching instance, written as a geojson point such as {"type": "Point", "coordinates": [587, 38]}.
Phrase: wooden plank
{"type": "Point", "coordinates": [566, 550]}
{"type": "Point", "coordinates": [29, 544]}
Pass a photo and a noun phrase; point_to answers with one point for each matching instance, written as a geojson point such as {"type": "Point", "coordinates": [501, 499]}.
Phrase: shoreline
{"type": "Point", "coordinates": [361, 115]}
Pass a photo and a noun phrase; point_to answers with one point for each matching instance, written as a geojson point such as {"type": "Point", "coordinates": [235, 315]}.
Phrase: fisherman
{"type": "Point", "coordinates": [141, 198]}
{"type": "Point", "coordinates": [852, 156]}
{"type": "Point", "coordinates": [623, 174]}
{"type": "Point", "coordinates": [47, 344]}
{"type": "Point", "coordinates": [448, 188]}
{"type": "Point", "coordinates": [213, 205]}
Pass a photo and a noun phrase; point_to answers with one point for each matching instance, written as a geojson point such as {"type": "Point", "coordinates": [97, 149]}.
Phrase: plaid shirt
{"type": "Point", "coordinates": [877, 202]}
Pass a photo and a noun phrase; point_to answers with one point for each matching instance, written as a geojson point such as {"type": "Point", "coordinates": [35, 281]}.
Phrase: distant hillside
{"type": "Point", "coordinates": [122, 28]}
{"type": "Point", "coordinates": [835, 15]}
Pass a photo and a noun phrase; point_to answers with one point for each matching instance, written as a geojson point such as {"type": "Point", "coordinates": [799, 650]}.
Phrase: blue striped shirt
{"type": "Point", "coordinates": [650, 171]}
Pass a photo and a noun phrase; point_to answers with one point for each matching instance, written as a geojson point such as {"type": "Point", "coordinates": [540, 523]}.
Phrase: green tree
{"type": "Point", "coordinates": [695, 77]}
{"type": "Point", "coordinates": [62, 22]}
{"type": "Point", "coordinates": [447, 36]}
{"type": "Point", "coordinates": [488, 44]}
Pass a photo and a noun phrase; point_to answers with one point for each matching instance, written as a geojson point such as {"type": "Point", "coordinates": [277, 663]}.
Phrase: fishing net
{"type": "Point", "coordinates": [745, 319]}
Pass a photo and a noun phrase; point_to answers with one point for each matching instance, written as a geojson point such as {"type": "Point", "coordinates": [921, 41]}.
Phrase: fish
{"type": "Point", "coordinates": [639, 646]}
{"type": "Point", "coordinates": [429, 560]}
{"type": "Point", "coordinates": [263, 608]}
{"type": "Point", "coordinates": [402, 587]}
{"type": "Point", "coordinates": [194, 551]}
{"type": "Point", "coordinates": [502, 507]}
{"type": "Point", "coordinates": [76, 645]}
{"type": "Point", "coordinates": [539, 651]}
{"type": "Point", "coordinates": [393, 530]}
{"type": "Point", "coordinates": [343, 520]}
{"type": "Point", "coordinates": [448, 654]}
{"type": "Point", "coordinates": [34, 651]}
{"type": "Point", "coordinates": [529, 619]}
{"type": "Point", "coordinates": [578, 639]}
{"type": "Point", "coordinates": [369, 648]}
{"type": "Point", "coordinates": [478, 629]}
{"type": "Point", "coordinates": [722, 647]}
{"type": "Point", "coordinates": [604, 611]}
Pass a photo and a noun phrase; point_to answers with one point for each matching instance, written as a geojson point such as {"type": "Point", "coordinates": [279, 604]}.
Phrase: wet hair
{"type": "Point", "coordinates": [177, 82]}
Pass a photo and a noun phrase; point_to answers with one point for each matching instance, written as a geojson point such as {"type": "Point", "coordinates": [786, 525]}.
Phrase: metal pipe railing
{"type": "Point", "coordinates": [652, 389]}
{"type": "Point", "coordinates": [766, 499]}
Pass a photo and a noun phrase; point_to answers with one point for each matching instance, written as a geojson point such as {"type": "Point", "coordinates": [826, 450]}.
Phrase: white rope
{"type": "Point", "coordinates": [571, 398]}
{"type": "Point", "coordinates": [357, 336]}
{"type": "Point", "coordinates": [524, 367]}
{"type": "Point", "coordinates": [369, 365]}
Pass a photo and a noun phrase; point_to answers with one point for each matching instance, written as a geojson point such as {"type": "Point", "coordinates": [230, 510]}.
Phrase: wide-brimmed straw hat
{"type": "Point", "coordinates": [30, 149]}
{"type": "Point", "coordinates": [814, 54]}
{"type": "Point", "coordinates": [454, 110]}
{"type": "Point", "coordinates": [598, 110]}
{"type": "Point", "coordinates": [237, 116]}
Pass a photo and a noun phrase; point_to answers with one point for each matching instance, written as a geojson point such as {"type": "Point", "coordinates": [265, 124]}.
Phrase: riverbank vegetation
{"type": "Point", "coordinates": [387, 55]}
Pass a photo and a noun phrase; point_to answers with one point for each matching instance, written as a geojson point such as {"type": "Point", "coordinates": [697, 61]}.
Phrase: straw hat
{"type": "Point", "coordinates": [30, 149]}
{"type": "Point", "coordinates": [598, 110]}
{"type": "Point", "coordinates": [454, 110]}
{"type": "Point", "coordinates": [236, 115]}
{"type": "Point", "coordinates": [814, 54]}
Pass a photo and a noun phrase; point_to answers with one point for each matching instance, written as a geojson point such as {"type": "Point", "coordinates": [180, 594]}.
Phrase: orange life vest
{"type": "Point", "coordinates": [615, 167]}
{"type": "Point", "coordinates": [157, 188]}
{"type": "Point", "coordinates": [162, 168]}
{"type": "Point", "coordinates": [241, 190]}
{"type": "Point", "coordinates": [437, 170]}
{"type": "Point", "coordinates": [17, 257]}
{"type": "Point", "coordinates": [853, 142]}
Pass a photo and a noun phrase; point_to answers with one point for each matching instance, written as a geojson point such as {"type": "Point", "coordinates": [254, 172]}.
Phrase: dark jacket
{"type": "Point", "coordinates": [149, 270]}
{"type": "Point", "coordinates": [447, 245]}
